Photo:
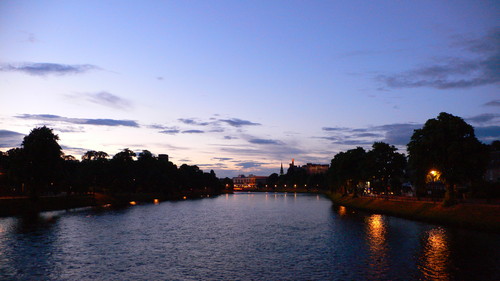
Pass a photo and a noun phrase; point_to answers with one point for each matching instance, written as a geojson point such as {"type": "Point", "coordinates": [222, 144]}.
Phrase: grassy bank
{"type": "Point", "coordinates": [473, 216]}
{"type": "Point", "coordinates": [23, 205]}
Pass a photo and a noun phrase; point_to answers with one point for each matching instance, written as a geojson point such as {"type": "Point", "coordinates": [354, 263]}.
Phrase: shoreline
{"type": "Point", "coordinates": [15, 206]}
{"type": "Point", "coordinates": [471, 216]}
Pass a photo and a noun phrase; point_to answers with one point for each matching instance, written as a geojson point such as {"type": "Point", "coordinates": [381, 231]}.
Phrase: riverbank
{"type": "Point", "coordinates": [472, 216]}
{"type": "Point", "coordinates": [13, 206]}
{"type": "Point", "coordinates": [24, 205]}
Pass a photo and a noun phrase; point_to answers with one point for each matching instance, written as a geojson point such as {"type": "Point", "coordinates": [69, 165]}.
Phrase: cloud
{"type": "Point", "coordinates": [487, 134]}
{"type": "Point", "coordinates": [394, 134]}
{"type": "Point", "coordinates": [109, 100]}
{"type": "Point", "coordinates": [71, 129]}
{"type": "Point", "coordinates": [170, 131]}
{"type": "Point", "coordinates": [264, 141]}
{"type": "Point", "coordinates": [483, 118]}
{"type": "Point", "coordinates": [212, 166]}
{"type": "Point", "coordinates": [230, 138]}
{"type": "Point", "coordinates": [455, 72]}
{"type": "Point", "coordinates": [193, 132]}
{"type": "Point", "coordinates": [485, 45]}
{"type": "Point", "coordinates": [283, 151]}
{"type": "Point", "coordinates": [80, 121]}
{"type": "Point", "coordinates": [368, 135]}
{"type": "Point", "coordinates": [9, 139]}
{"type": "Point", "coordinates": [235, 122]}
{"type": "Point", "coordinates": [193, 121]}
{"type": "Point", "coordinates": [222, 158]}
{"type": "Point", "coordinates": [334, 129]}
{"type": "Point", "coordinates": [158, 127]}
{"type": "Point", "coordinates": [75, 151]}
{"type": "Point", "coordinates": [249, 164]}
{"type": "Point", "coordinates": [111, 122]}
{"type": "Point", "coordinates": [493, 103]}
{"type": "Point", "coordinates": [398, 134]}
{"type": "Point", "coordinates": [44, 69]}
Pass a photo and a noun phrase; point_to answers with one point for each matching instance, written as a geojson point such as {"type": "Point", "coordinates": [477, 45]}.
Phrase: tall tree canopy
{"type": "Point", "coordinates": [43, 156]}
{"type": "Point", "coordinates": [385, 166]}
{"type": "Point", "coordinates": [347, 169]}
{"type": "Point", "coordinates": [447, 144]}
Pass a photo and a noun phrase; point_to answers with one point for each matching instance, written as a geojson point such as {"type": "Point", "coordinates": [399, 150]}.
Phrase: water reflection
{"type": "Point", "coordinates": [240, 236]}
{"type": "Point", "coordinates": [342, 211]}
{"type": "Point", "coordinates": [436, 255]}
{"type": "Point", "coordinates": [376, 238]}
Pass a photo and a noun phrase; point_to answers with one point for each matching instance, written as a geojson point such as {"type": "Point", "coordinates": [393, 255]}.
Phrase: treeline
{"type": "Point", "coordinates": [39, 167]}
{"type": "Point", "coordinates": [444, 158]}
{"type": "Point", "coordinates": [379, 170]}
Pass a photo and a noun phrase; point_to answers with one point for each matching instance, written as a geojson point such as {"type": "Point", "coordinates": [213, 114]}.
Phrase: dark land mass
{"type": "Point", "coordinates": [472, 216]}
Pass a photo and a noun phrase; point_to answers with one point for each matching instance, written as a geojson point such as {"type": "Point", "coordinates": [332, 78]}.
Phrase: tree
{"type": "Point", "coordinates": [126, 155]}
{"type": "Point", "coordinates": [43, 158]}
{"type": "Point", "coordinates": [123, 170]}
{"type": "Point", "coordinates": [385, 166]}
{"type": "Point", "coordinates": [347, 169]}
{"type": "Point", "coordinates": [447, 144]}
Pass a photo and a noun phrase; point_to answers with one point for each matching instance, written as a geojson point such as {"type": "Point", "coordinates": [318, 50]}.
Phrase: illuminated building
{"type": "Point", "coordinates": [251, 182]}
{"type": "Point", "coordinates": [313, 169]}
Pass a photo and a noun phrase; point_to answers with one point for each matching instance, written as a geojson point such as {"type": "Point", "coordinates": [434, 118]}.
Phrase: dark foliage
{"type": "Point", "coordinates": [39, 168]}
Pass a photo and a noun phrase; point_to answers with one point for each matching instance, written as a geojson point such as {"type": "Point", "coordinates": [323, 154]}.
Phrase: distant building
{"type": "Point", "coordinates": [163, 157]}
{"type": "Point", "coordinates": [313, 169]}
{"type": "Point", "coordinates": [246, 183]}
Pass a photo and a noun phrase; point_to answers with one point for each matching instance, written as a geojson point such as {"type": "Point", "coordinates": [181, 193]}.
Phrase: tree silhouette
{"type": "Point", "coordinates": [43, 159]}
{"type": "Point", "coordinates": [447, 144]}
{"type": "Point", "coordinates": [347, 169]}
{"type": "Point", "coordinates": [385, 166]}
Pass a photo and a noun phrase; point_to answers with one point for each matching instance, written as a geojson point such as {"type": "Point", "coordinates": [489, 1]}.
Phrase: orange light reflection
{"type": "Point", "coordinates": [376, 237]}
{"type": "Point", "coordinates": [435, 258]}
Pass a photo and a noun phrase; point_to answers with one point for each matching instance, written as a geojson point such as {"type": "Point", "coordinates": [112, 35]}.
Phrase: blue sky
{"type": "Point", "coordinates": [241, 86]}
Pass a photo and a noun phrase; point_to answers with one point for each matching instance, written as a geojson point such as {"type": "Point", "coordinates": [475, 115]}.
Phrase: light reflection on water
{"type": "Point", "coordinates": [243, 236]}
{"type": "Point", "coordinates": [436, 256]}
{"type": "Point", "coordinates": [376, 238]}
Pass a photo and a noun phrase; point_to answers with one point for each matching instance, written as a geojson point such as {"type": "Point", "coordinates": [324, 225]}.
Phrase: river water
{"type": "Point", "coordinates": [242, 236]}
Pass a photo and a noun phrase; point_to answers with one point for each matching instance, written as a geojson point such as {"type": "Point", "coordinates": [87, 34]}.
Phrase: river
{"type": "Point", "coordinates": [242, 236]}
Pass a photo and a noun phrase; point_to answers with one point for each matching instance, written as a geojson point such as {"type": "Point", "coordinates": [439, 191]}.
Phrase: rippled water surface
{"type": "Point", "coordinates": [245, 236]}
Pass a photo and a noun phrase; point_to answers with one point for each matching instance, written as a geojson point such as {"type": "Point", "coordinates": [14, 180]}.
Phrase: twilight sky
{"type": "Point", "coordinates": [241, 86]}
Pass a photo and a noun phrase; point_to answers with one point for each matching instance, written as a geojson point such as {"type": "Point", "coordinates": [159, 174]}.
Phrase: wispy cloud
{"type": "Point", "coordinates": [488, 134]}
{"type": "Point", "coordinates": [264, 141]}
{"type": "Point", "coordinates": [395, 134]}
{"type": "Point", "coordinates": [235, 122]}
{"type": "Point", "coordinates": [493, 103]}
{"type": "Point", "coordinates": [483, 118]}
{"type": "Point", "coordinates": [170, 131]}
{"type": "Point", "coordinates": [81, 121]}
{"type": "Point", "coordinates": [399, 134]}
{"type": "Point", "coordinates": [455, 72]}
{"type": "Point", "coordinates": [10, 139]}
{"type": "Point", "coordinates": [107, 99]}
{"type": "Point", "coordinates": [44, 69]}
{"type": "Point", "coordinates": [334, 129]}
{"type": "Point", "coordinates": [249, 164]}
{"type": "Point", "coordinates": [193, 121]}
{"type": "Point", "coordinates": [193, 132]}
{"type": "Point", "coordinates": [222, 158]}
